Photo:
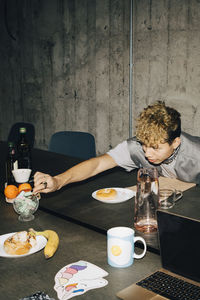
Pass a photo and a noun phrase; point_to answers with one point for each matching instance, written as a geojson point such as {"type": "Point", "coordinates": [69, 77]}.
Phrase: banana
{"type": "Point", "coordinates": [52, 241]}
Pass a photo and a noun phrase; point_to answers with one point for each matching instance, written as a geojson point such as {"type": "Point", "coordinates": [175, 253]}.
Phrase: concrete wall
{"type": "Point", "coordinates": [167, 57]}
{"type": "Point", "coordinates": [65, 64]}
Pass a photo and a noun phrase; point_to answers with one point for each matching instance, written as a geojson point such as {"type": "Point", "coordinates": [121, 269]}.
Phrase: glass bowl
{"type": "Point", "coordinates": [26, 205]}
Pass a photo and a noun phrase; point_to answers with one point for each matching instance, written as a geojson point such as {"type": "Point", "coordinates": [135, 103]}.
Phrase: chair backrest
{"type": "Point", "coordinates": [73, 143]}
{"type": "Point", "coordinates": [14, 134]}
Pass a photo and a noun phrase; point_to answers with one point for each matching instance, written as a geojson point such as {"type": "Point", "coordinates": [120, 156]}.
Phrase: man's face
{"type": "Point", "coordinates": [160, 153]}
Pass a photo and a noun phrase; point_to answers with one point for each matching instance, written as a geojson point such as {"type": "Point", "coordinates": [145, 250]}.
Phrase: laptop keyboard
{"type": "Point", "coordinates": [170, 287]}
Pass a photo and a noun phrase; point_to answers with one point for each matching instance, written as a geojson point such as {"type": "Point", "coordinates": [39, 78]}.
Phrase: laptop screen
{"type": "Point", "coordinates": [179, 239]}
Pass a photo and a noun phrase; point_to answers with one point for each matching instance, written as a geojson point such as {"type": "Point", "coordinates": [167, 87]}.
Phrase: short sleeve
{"type": "Point", "coordinates": [122, 157]}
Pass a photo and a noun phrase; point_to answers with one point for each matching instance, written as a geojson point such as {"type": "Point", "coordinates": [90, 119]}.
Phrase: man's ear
{"type": "Point", "coordinates": [176, 142]}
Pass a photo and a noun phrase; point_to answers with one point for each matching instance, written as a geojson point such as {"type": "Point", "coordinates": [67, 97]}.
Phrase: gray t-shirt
{"type": "Point", "coordinates": [121, 156]}
{"type": "Point", "coordinates": [185, 165]}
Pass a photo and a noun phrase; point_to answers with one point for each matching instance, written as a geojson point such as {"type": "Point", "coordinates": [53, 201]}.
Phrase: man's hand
{"type": "Point", "coordinates": [44, 183]}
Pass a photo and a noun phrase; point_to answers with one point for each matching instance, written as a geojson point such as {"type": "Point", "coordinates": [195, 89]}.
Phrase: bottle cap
{"type": "Point", "coordinates": [22, 130]}
{"type": "Point", "coordinates": [10, 144]}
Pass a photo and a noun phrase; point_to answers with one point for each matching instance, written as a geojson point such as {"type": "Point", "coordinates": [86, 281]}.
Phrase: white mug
{"type": "Point", "coordinates": [120, 247]}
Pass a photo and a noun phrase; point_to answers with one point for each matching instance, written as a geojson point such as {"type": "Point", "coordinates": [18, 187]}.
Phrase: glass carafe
{"type": "Point", "coordinates": [146, 200]}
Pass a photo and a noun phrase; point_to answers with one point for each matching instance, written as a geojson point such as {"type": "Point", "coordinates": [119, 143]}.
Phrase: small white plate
{"type": "Point", "coordinates": [122, 195]}
{"type": "Point", "coordinates": [41, 243]}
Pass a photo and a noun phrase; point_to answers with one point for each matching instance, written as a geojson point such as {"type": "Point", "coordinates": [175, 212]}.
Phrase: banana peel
{"type": "Point", "coordinates": [52, 241]}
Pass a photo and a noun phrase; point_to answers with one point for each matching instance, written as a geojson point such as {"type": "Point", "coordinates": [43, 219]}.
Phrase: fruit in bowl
{"type": "Point", "coordinates": [11, 191]}
{"type": "Point", "coordinates": [26, 187]}
{"type": "Point", "coordinates": [26, 204]}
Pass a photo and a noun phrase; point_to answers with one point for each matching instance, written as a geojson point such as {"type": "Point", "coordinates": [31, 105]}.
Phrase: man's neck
{"type": "Point", "coordinates": [172, 157]}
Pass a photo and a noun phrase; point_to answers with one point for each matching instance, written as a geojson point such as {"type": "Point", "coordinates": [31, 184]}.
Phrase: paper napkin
{"type": "Point", "coordinates": [170, 183]}
{"type": "Point", "coordinates": [78, 278]}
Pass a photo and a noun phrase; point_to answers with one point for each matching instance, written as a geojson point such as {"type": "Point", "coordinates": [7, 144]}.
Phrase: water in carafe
{"type": "Point", "coordinates": [146, 200]}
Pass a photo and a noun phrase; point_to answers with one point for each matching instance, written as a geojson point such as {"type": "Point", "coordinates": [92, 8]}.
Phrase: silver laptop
{"type": "Point", "coordinates": [179, 239]}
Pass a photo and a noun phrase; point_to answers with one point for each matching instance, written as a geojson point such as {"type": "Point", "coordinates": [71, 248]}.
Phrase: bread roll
{"type": "Point", "coordinates": [19, 243]}
{"type": "Point", "coordinates": [106, 194]}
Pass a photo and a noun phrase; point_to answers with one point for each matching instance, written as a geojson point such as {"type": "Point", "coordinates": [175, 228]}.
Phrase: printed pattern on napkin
{"type": "Point", "coordinates": [77, 278]}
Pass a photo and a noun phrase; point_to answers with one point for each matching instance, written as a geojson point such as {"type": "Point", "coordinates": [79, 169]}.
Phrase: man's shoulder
{"type": "Point", "coordinates": [137, 153]}
{"type": "Point", "coordinates": [190, 141]}
{"type": "Point", "coordinates": [134, 145]}
{"type": "Point", "coordinates": [190, 136]}
{"type": "Point", "coordinates": [188, 158]}
{"type": "Point", "coordinates": [133, 141]}
{"type": "Point", "coordinates": [189, 149]}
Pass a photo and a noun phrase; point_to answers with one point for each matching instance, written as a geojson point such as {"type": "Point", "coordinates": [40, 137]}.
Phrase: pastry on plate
{"type": "Point", "coordinates": [19, 243]}
{"type": "Point", "coordinates": [106, 194]}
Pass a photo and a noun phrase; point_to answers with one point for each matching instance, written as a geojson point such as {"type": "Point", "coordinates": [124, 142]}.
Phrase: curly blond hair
{"type": "Point", "coordinates": [158, 124]}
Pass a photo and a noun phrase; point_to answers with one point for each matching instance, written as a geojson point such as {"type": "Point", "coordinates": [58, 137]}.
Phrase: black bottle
{"type": "Point", "coordinates": [11, 163]}
{"type": "Point", "coordinates": [23, 151]}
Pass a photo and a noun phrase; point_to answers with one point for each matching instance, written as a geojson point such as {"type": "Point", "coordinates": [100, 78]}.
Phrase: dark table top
{"type": "Point", "coordinates": [24, 276]}
{"type": "Point", "coordinates": [75, 203]}
{"type": "Point", "coordinates": [64, 211]}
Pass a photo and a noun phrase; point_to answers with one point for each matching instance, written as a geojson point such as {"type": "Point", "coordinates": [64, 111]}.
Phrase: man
{"type": "Point", "coordinates": [158, 142]}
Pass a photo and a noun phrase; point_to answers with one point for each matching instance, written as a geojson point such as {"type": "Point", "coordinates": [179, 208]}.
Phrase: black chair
{"type": "Point", "coordinates": [14, 134]}
{"type": "Point", "coordinates": [73, 143]}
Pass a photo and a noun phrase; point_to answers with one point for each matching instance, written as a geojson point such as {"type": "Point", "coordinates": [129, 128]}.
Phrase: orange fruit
{"type": "Point", "coordinates": [11, 191]}
{"type": "Point", "coordinates": [26, 187]}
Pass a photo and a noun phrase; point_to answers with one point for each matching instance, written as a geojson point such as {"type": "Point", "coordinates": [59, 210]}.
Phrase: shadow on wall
{"type": "Point", "coordinates": [189, 108]}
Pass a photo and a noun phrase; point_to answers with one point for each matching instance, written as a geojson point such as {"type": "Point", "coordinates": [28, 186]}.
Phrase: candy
{"type": "Point", "coordinates": [25, 203]}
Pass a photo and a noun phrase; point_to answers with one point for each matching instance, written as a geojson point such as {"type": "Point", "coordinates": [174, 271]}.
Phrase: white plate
{"type": "Point", "coordinates": [41, 243]}
{"type": "Point", "coordinates": [122, 195]}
